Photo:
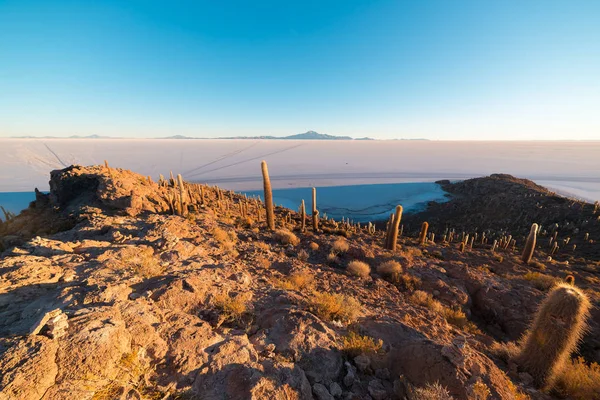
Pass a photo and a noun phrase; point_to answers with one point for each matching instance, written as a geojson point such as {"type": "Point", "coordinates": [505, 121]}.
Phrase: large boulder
{"type": "Point", "coordinates": [304, 338]}
{"type": "Point", "coordinates": [233, 372]}
{"type": "Point", "coordinates": [27, 367]}
{"type": "Point", "coordinates": [96, 342]}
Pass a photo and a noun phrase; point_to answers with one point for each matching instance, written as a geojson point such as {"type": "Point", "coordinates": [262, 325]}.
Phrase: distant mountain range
{"type": "Point", "coordinates": [310, 135]}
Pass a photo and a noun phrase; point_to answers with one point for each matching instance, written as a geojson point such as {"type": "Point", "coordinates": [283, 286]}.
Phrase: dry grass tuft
{"type": "Point", "coordinates": [541, 281]}
{"type": "Point", "coordinates": [479, 391]}
{"type": "Point", "coordinates": [141, 261]}
{"type": "Point", "coordinates": [226, 240]}
{"type": "Point", "coordinates": [262, 246]}
{"type": "Point", "coordinates": [579, 380]}
{"type": "Point", "coordinates": [335, 306]}
{"type": "Point", "coordinates": [426, 299]}
{"type": "Point", "coordinates": [452, 316]}
{"type": "Point", "coordinates": [313, 246]}
{"type": "Point", "coordinates": [359, 268]}
{"type": "Point", "coordinates": [431, 391]}
{"type": "Point", "coordinates": [232, 309]}
{"type": "Point", "coordinates": [407, 282]}
{"type": "Point", "coordinates": [354, 344]}
{"type": "Point", "coordinates": [296, 281]}
{"type": "Point", "coordinates": [303, 255]}
{"type": "Point", "coordinates": [505, 351]}
{"type": "Point", "coordinates": [284, 236]}
{"type": "Point", "coordinates": [389, 269]}
{"type": "Point", "coordinates": [340, 246]}
{"type": "Point", "coordinates": [332, 258]}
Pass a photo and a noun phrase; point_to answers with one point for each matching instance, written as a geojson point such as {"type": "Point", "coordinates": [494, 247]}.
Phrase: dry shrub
{"type": "Point", "coordinates": [479, 391]}
{"type": "Point", "coordinates": [408, 282]}
{"type": "Point", "coordinates": [303, 255]}
{"type": "Point", "coordinates": [135, 371]}
{"type": "Point", "coordinates": [284, 236]}
{"type": "Point", "coordinates": [232, 309]}
{"type": "Point", "coordinates": [263, 262]}
{"type": "Point", "coordinates": [313, 246]}
{"type": "Point", "coordinates": [454, 317]}
{"type": "Point", "coordinates": [332, 258]}
{"type": "Point", "coordinates": [340, 246]}
{"type": "Point", "coordinates": [541, 281]}
{"type": "Point", "coordinates": [426, 299]}
{"type": "Point", "coordinates": [141, 260]}
{"type": "Point", "coordinates": [579, 381]}
{"type": "Point", "coordinates": [359, 268]}
{"type": "Point", "coordinates": [226, 239]}
{"type": "Point", "coordinates": [389, 269]}
{"type": "Point", "coordinates": [431, 391]}
{"type": "Point", "coordinates": [410, 253]}
{"type": "Point", "coordinates": [354, 344]}
{"type": "Point", "coordinates": [296, 281]}
{"type": "Point", "coordinates": [262, 246]}
{"type": "Point", "coordinates": [335, 306]}
{"type": "Point", "coordinates": [504, 351]}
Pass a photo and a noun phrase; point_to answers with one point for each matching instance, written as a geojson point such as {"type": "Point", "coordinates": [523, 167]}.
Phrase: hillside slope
{"type": "Point", "coordinates": [118, 298]}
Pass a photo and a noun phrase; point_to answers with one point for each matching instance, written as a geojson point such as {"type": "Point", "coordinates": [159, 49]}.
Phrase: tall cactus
{"type": "Point", "coordinates": [302, 216]}
{"type": "Point", "coordinates": [423, 235]}
{"type": "Point", "coordinates": [554, 334]}
{"type": "Point", "coordinates": [182, 205]}
{"type": "Point", "coordinates": [268, 196]}
{"type": "Point", "coordinates": [530, 245]}
{"type": "Point", "coordinates": [315, 212]}
{"type": "Point", "coordinates": [392, 239]}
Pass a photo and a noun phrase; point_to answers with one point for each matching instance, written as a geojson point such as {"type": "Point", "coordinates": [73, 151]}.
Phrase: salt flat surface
{"type": "Point", "coordinates": [572, 168]}
{"type": "Point", "coordinates": [361, 203]}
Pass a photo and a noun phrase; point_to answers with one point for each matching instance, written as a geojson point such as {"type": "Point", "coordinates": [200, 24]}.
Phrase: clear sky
{"type": "Point", "coordinates": [446, 69]}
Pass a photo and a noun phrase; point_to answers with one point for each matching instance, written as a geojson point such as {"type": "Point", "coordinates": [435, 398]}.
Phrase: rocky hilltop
{"type": "Point", "coordinates": [114, 286]}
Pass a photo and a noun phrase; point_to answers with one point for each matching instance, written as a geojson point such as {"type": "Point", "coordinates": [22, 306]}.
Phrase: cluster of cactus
{"type": "Point", "coordinates": [557, 328]}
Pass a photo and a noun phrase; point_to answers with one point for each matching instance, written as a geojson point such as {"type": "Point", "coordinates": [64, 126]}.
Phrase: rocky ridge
{"type": "Point", "coordinates": [113, 296]}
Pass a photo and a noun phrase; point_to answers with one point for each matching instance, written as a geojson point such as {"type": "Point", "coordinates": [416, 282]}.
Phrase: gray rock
{"type": "Point", "coordinates": [321, 392]}
{"type": "Point", "coordinates": [350, 377]}
{"type": "Point", "coordinates": [335, 389]}
{"type": "Point", "coordinates": [362, 362]}
{"type": "Point", "coordinates": [377, 390]}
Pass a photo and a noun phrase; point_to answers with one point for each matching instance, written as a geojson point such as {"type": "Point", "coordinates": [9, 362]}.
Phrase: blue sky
{"type": "Point", "coordinates": [386, 69]}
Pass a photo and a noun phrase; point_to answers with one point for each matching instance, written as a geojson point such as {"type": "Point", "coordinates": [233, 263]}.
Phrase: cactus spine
{"type": "Point", "coordinates": [530, 245]}
{"type": "Point", "coordinates": [423, 235]}
{"type": "Point", "coordinates": [268, 196]}
{"type": "Point", "coordinates": [392, 237]}
{"type": "Point", "coordinates": [554, 334]}
{"type": "Point", "coordinates": [315, 212]}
